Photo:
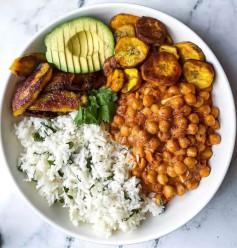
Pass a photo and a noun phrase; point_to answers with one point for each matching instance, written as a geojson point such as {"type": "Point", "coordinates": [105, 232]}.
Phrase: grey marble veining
{"type": "Point", "coordinates": [215, 21]}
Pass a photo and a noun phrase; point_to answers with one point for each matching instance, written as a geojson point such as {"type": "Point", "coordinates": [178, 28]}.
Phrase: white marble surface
{"type": "Point", "coordinates": [216, 22]}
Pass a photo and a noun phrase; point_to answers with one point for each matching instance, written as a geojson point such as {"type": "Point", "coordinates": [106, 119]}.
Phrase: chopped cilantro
{"type": "Point", "coordinates": [38, 137]}
{"type": "Point", "coordinates": [70, 144]}
{"type": "Point", "coordinates": [70, 197]}
{"type": "Point", "coordinates": [61, 200]}
{"type": "Point", "coordinates": [61, 174]}
{"type": "Point", "coordinates": [50, 162]}
{"type": "Point", "coordinates": [93, 185]}
{"type": "Point", "coordinates": [47, 126]}
{"type": "Point", "coordinates": [134, 211]}
{"type": "Point", "coordinates": [88, 164]}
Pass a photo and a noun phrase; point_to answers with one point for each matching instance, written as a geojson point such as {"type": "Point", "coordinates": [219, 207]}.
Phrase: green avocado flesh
{"type": "Point", "coordinates": [80, 45]}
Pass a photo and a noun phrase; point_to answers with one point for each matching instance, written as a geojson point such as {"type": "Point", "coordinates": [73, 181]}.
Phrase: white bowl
{"type": "Point", "coordinates": [181, 209]}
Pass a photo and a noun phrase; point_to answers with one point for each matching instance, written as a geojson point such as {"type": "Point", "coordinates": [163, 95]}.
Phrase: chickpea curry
{"type": "Point", "coordinates": [165, 113]}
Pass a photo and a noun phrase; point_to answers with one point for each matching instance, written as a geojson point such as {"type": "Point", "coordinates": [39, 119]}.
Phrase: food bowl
{"type": "Point", "coordinates": [181, 209]}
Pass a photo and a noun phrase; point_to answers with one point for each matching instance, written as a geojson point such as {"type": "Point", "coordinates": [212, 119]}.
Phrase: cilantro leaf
{"type": "Point", "coordinates": [38, 137]}
{"type": "Point", "coordinates": [108, 111]}
{"type": "Point", "coordinates": [50, 162]}
{"type": "Point", "coordinates": [70, 144]}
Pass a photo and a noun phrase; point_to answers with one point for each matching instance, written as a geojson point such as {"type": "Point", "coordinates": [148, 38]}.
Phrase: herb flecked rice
{"type": "Point", "coordinates": [81, 168]}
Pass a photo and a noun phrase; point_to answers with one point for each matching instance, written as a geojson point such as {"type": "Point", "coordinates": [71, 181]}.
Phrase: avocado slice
{"type": "Point", "coordinates": [80, 45]}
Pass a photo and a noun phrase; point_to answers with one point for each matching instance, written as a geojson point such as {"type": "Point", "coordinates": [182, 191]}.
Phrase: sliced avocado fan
{"type": "Point", "coordinates": [80, 45]}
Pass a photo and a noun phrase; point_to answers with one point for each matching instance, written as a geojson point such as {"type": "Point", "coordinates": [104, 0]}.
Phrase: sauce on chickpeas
{"type": "Point", "coordinates": [171, 131]}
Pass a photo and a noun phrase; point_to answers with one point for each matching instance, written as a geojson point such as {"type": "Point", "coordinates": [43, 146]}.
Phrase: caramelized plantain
{"type": "Point", "coordinates": [169, 49]}
{"type": "Point", "coordinates": [109, 65]}
{"type": "Point", "coordinates": [109, 80]}
{"type": "Point", "coordinates": [162, 69]}
{"type": "Point", "coordinates": [122, 19]}
{"type": "Point", "coordinates": [124, 30]}
{"type": "Point", "coordinates": [168, 40]}
{"type": "Point", "coordinates": [28, 91]}
{"type": "Point", "coordinates": [41, 114]}
{"type": "Point", "coordinates": [199, 73]}
{"type": "Point", "coordinates": [130, 52]}
{"type": "Point", "coordinates": [57, 101]}
{"type": "Point", "coordinates": [133, 80]}
{"type": "Point", "coordinates": [25, 65]}
{"type": "Point", "coordinates": [59, 81]}
{"type": "Point", "coordinates": [117, 80]}
{"type": "Point", "coordinates": [150, 30]}
{"type": "Point", "coordinates": [189, 50]}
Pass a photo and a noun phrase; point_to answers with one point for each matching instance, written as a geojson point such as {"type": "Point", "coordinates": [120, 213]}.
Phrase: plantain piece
{"type": "Point", "coordinates": [133, 80]}
{"type": "Point", "coordinates": [189, 50]}
{"type": "Point", "coordinates": [130, 52]}
{"type": "Point", "coordinates": [58, 101]}
{"type": "Point", "coordinates": [169, 49]}
{"type": "Point", "coordinates": [59, 81]}
{"type": "Point", "coordinates": [199, 73]}
{"type": "Point", "coordinates": [41, 114]}
{"type": "Point", "coordinates": [109, 65]}
{"type": "Point", "coordinates": [124, 30]}
{"type": "Point", "coordinates": [150, 30]}
{"type": "Point", "coordinates": [28, 91]}
{"type": "Point", "coordinates": [117, 80]}
{"type": "Point", "coordinates": [109, 80]}
{"type": "Point", "coordinates": [25, 65]}
{"type": "Point", "coordinates": [122, 19]}
{"type": "Point", "coordinates": [168, 40]}
{"type": "Point", "coordinates": [161, 69]}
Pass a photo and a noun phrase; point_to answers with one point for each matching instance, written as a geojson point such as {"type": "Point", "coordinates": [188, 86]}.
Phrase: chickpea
{"type": "Point", "coordinates": [143, 136]}
{"type": "Point", "coordinates": [201, 147]}
{"type": "Point", "coordinates": [201, 138]}
{"type": "Point", "coordinates": [130, 112]}
{"type": "Point", "coordinates": [181, 152]}
{"type": "Point", "coordinates": [171, 172]}
{"type": "Point", "coordinates": [205, 110]}
{"type": "Point", "coordinates": [205, 171]}
{"type": "Point", "coordinates": [147, 111]}
{"type": "Point", "coordinates": [149, 157]}
{"type": "Point", "coordinates": [151, 176]}
{"type": "Point", "coordinates": [193, 118]}
{"type": "Point", "coordinates": [181, 122]}
{"type": "Point", "coordinates": [165, 112]}
{"type": "Point", "coordinates": [215, 112]}
{"type": "Point", "coordinates": [118, 120]}
{"type": "Point", "coordinates": [155, 109]}
{"type": "Point", "coordinates": [162, 168]}
{"type": "Point", "coordinates": [214, 139]}
{"type": "Point", "coordinates": [209, 120]}
{"type": "Point", "coordinates": [125, 131]}
{"type": "Point", "coordinates": [199, 102]}
{"type": "Point", "coordinates": [164, 136]}
{"type": "Point", "coordinates": [180, 167]}
{"type": "Point", "coordinates": [191, 139]}
{"type": "Point", "coordinates": [184, 142]}
{"type": "Point", "coordinates": [148, 100]}
{"type": "Point", "coordinates": [137, 104]}
{"type": "Point", "coordinates": [204, 94]}
{"type": "Point", "coordinates": [153, 144]}
{"type": "Point", "coordinates": [192, 128]}
{"type": "Point", "coordinates": [135, 130]}
{"type": "Point", "coordinates": [216, 126]}
{"type": "Point", "coordinates": [160, 200]}
{"type": "Point", "coordinates": [164, 126]}
{"type": "Point", "coordinates": [177, 132]}
{"type": "Point", "coordinates": [186, 110]}
{"type": "Point", "coordinates": [190, 162]}
{"type": "Point", "coordinates": [158, 157]}
{"type": "Point", "coordinates": [190, 99]}
{"type": "Point", "coordinates": [167, 156]}
{"type": "Point", "coordinates": [137, 172]}
{"type": "Point", "coordinates": [113, 125]}
{"type": "Point", "coordinates": [177, 102]}
{"type": "Point", "coordinates": [139, 151]}
{"type": "Point", "coordinates": [162, 179]}
{"type": "Point", "coordinates": [192, 184]}
{"type": "Point", "coordinates": [187, 88]}
{"type": "Point", "coordinates": [201, 129]}
{"type": "Point", "coordinates": [192, 151]}
{"type": "Point", "coordinates": [142, 163]}
{"type": "Point", "coordinates": [173, 90]}
{"type": "Point", "coordinates": [207, 153]}
{"type": "Point", "coordinates": [180, 189]}
{"type": "Point", "coordinates": [152, 127]}
{"type": "Point", "coordinates": [209, 89]}
{"type": "Point", "coordinates": [169, 192]}
{"type": "Point", "coordinates": [172, 145]}
{"type": "Point", "coordinates": [147, 91]}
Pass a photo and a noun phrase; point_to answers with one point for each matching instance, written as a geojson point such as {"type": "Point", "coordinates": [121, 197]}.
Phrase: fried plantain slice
{"type": "Point", "coordinates": [28, 91]}
{"type": "Point", "coordinates": [25, 65]}
{"type": "Point", "coordinates": [124, 30]}
{"type": "Point", "coordinates": [117, 80]}
{"type": "Point", "coordinates": [168, 40]}
{"type": "Point", "coordinates": [198, 73]}
{"type": "Point", "coordinates": [122, 19]}
{"type": "Point", "coordinates": [109, 65]}
{"type": "Point", "coordinates": [130, 52]}
{"type": "Point", "coordinates": [109, 80]}
{"type": "Point", "coordinates": [57, 101]}
{"type": "Point", "coordinates": [41, 114]}
{"type": "Point", "coordinates": [169, 49]}
{"type": "Point", "coordinates": [59, 81]}
{"type": "Point", "coordinates": [150, 30]}
{"type": "Point", "coordinates": [162, 69]}
{"type": "Point", "coordinates": [189, 50]}
{"type": "Point", "coordinates": [133, 80]}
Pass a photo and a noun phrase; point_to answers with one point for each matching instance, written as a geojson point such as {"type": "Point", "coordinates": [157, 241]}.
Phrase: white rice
{"type": "Point", "coordinates": [84, 169]}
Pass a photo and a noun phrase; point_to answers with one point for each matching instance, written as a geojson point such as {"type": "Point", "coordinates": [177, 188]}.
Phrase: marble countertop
{"type": "Point", "coordinates": [215, 21]}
